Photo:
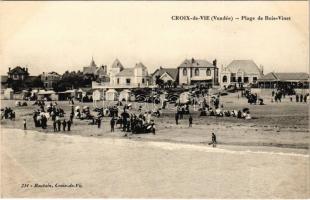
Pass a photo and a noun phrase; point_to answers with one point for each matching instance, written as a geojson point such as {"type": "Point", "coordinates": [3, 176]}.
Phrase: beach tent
{"type": "Point", "coordinates": [111, 95]}
{"type": "Point", "coordinates": [80, 94]}
{"type": "Point", "coordinates": [132, 97]}
{"type": "Point", "coordinates": [184, 97]}
{"type": "Point", "coordinates": [49, 94]}
{"type": "Point", "coordinates": [67, 94]}
{"type": "Point", "coordinates": [97, 95]}
{"type": "Point", "coordinates": [124, 95]}
{"type": "Point", "coordinates": [8, 93]}
{"type": "Point", "coordinates": [163, 97]}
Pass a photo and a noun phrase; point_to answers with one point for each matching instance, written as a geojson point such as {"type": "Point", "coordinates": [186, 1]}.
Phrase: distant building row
{"type": "Point", "coordinates": [189, 72]}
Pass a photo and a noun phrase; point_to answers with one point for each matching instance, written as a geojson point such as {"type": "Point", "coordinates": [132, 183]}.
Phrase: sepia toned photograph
{"type": "Point", "coordinates": [155, 100]}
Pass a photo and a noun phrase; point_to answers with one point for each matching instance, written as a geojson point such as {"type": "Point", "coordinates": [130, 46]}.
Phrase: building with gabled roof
{"type": "Point", "coordinates": [165, 74]}
{"type": "Point", "coordinates": [18, 73]}
{"type": "Point", "coordinates": [122, 77]}
{"type": "Point", "coordinates": [50, 79]}
{"type": "Point", "coordinates": [240, 72]}
{"type": "Point", "coordinates": [91, 69]}
{"type": "Point", "coordinates": [193, 71]}
{"type": "Point", "coordinates": [95, 72]}
{"type": "Point", "coordinates": [273, 79]}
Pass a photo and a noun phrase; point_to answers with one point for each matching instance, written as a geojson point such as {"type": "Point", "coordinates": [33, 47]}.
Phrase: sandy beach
{"type": "Point", "coordinates": [122, 168]}
{"type": "Point", "coordinates": [266, 157]}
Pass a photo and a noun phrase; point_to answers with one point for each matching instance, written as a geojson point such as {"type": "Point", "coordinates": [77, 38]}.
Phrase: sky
{"type": "Point", "coordinates": [60, 36]}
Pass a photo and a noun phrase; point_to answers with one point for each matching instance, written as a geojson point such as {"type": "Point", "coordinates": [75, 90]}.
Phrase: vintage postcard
{"type": "Point", "coordinates": [160, 99]}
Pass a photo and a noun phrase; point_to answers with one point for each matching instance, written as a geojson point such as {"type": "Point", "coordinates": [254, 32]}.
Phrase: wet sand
{"type": "Point", "coordinates": [124, 168]}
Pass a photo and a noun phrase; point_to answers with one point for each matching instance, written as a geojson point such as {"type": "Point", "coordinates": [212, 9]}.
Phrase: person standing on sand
{"type": "Point", "coordinates": [54, 126]}
{"type": "Point", "coordinates": [190, 120]}
{"type": "Point", "coordinates": [25, 124]}
{"type": "Point", "coordinates": [71, 116]}
{"type": "Point", "coordinates": [99, 122]}
{"type": "Point", "coordinates": [213, 140]}
{"type": "Point", "coordinates": [297, 98]}
{"type": "Point", "coordinates": [177, 118]}
{"type": "Point", "coordinates": [59, 125]}
{"type": "Point", "coordinates": [64, 124]}
{"type": "Point", "coordinates": [112, 123]}
{"type": "Point", "coordinates": [69, 125]}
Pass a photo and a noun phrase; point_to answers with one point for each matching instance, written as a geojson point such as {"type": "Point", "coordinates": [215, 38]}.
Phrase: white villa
{"type": "Point", "coordinates": [121, 77]}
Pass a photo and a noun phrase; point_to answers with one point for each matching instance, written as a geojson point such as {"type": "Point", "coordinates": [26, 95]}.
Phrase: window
{"type": "Point", "coordinates": [224, 79]}
{"type": "Point", "coordinates": [208, 72]}
{"type": "Point", "coordinates": [246, 79]}
{"type": "Point", "coordinates": [233, 77]}
{"type": "Point", "coordinates": [239, 79]}
{"type": "Point", "coordinates": [184, 72]}
{"type": "Point", "coordinates": [117, 80]}
{"type": "Point", "coordinates": [143, 81]}
{"type": "Point", "coordinates": [254, 79]}
{"type": "Point", "coordinates": [128, 81]}
{"type": "Point", "coordinates": [196, 72]}
{"type": "Point", "coordinates": [15, 76]}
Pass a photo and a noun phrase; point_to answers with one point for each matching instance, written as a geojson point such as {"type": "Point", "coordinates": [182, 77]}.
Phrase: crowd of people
{"type": "Point", "coordinates": [277, 95]}
{"type": "Point", "coordinates": [135, 121]}
{"type": "Point", "coordinates": [7, 113]}
{"type": "Point", "coordinates": [53, 112]}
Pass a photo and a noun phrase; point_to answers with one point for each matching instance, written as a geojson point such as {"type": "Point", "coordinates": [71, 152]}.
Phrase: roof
{"type": "Point", "coordinates": [111, 91]}
{"type": "Point", "coordinates": [140, 64]}
{"type": "Point", "coordinates": [4, 79]}
{"type": "Point", "coordinates": [126, 72]}
{"type": "Point", "coordinates": [52, 73]}
{"type": "Point", "coordinates": [173, 72]}
{"type": "Point", "coordinates": [125, 91]}
{"type": "Point", "coordinates": [117, 64]}
{"type": "Point", "coordinates": [9, 89]}
{"type": "Point", "coordinates": [298, 76]}
{"type": "Point", "coordinates": [270, 77]}
{"type": "Point", "coordinates": [92, 63]}
{"type": "Point", "coordinates": [246, 66]}
{"type": "Point", "coordinates": [18, 70]}
{"type": "Point", "coordinates": [68, 91]}
{"type": "Point", "coordinates": [101, 70]}
{"type": "Point", "coordinates": [196, 63]}
{"type": "Point", "coordinates": [46, 92]}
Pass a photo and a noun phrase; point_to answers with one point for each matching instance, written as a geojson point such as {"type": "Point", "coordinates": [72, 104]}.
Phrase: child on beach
{"type": "Point", "coordinates": [25, 124]}
{"type": "Point", "coordinates": [190, 120]}
{"type": "Point", "coordinates": [213, 140]}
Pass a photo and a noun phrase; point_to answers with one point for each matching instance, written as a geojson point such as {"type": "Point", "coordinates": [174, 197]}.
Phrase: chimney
{"type": "Point", "coordinates": [215, 62]}
{"type": "Point", "coordinates": [26, 69]}
{"type": "Point", "coordinates": [9, 69]}
{"type": "Point", "coordinates": [160, 67]}
{"type": "Point", "coordinates": [193, 60]}
{"type": "Point", "coordinates": [262, 69]}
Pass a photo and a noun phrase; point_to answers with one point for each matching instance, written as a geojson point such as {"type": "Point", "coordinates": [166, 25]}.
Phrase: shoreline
{"type": "Point", "coordinates": [280, 150]}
